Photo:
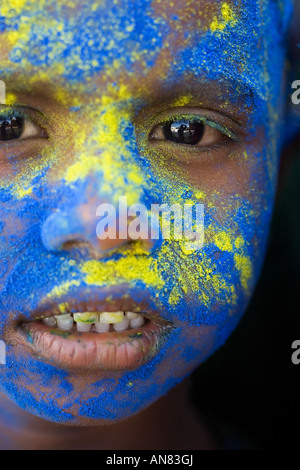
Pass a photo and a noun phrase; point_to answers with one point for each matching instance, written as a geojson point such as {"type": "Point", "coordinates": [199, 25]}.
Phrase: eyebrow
{"type": "Point", "coordinates": [230, 96]}
{"type": "Point", "coordinates": [238, 97]}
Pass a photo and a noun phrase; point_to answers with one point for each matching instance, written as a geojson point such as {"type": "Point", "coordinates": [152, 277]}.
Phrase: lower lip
{"type": "Point", "coordinates": [111, 351]}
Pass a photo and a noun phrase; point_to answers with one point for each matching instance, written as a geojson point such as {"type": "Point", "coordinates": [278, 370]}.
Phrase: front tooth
{"type": "Point", "coordinates": [111, 317]}
{"type": "Point", "coordinates": [49, 321]}
{"type": "Point", "coordinates": [137, 322]}
{"type": "Point", "coordinates": [84, 327]}
{"type": "Point", "coordinates": [102, 327]}
{"type": "Point", "coordinates": [131, 315]}
{"type": "Point", "coordinates": [122, 325]}
{"type": "Point", "coordinates": [86, 317]}
{"type": "Point", "coordinates": [85, 320]}
{"type": "Point", "coordinates": [64, 322]}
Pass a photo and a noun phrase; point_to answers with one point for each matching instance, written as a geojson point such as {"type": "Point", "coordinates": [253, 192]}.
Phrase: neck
{"type": "Point", "coordinates": [170, 423]}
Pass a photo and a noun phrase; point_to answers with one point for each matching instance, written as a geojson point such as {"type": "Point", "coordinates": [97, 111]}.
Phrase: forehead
{"type": "Point", "coordinates": [235, 42]}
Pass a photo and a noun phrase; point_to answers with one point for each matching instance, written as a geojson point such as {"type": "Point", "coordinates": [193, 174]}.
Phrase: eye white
{"type": "Point", "coordinates": [30, 130]}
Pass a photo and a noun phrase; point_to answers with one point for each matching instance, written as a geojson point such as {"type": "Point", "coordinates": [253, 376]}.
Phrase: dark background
{"type": "Point", "coordinates": [250, 389]}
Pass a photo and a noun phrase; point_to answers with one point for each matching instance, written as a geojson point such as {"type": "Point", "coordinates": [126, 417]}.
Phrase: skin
{"type": "Point", "coordinates": [101, 101]}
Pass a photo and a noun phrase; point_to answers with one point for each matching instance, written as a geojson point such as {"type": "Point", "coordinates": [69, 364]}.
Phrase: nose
{"type": "Point", "coordinates": [74, 226]}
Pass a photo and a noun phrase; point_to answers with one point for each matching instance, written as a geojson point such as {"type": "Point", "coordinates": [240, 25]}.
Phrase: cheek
{"type": "Point", "coordinates": [214, 283]}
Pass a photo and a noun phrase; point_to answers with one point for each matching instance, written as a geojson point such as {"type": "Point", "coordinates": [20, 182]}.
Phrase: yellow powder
{"type": "Point", "coordinates": [243, 264]}
{"type": "Point", "coordinates": [239, 242]}
{"type": "Point", "coordinates": [227, 18]}
{"type": "Point", "coordinates": [223, 242]}
{"type": "Point", "coordinates": [12, 8]}
{"type": "Point", "coordinates": [59, 291]}
{"type": "Point", "coordinates": [131, 268]}
{"type": "Point", "coordinates": [182, 100]}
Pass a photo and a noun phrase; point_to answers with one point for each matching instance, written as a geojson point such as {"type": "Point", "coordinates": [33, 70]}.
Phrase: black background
{"type": "Point", "coordinates": [251, 384]}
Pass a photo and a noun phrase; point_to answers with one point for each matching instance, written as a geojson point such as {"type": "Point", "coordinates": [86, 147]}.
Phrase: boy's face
{"type": "Point", "coordinates": [100, 84]}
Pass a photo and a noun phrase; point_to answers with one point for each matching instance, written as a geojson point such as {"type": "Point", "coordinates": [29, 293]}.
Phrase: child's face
{"type": "Point", "coordinates": [104, 76]}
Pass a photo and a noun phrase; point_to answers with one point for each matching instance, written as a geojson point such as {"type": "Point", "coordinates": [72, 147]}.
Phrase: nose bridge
{"type": "Point", "coordinates": [105, 148]}
{"type": "Point", "coordinates": [104, 169]}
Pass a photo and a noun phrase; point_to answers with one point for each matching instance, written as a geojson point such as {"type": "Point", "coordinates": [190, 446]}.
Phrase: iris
{"type": "Point", "coordinates": [11, 126]}
{"type": "Point", "coordinates": [184, 132]}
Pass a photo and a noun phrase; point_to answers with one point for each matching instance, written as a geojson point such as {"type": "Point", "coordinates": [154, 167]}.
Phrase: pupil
{"type": "Point", "coordinates": [184, 132]}
{"type": "Point", "coordinates": [11, 127]}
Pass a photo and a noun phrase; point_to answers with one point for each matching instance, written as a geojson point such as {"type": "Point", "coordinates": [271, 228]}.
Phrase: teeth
{"type": "Point", "coordinates": [64, 322]}
{"type": "Point", "coordinates": [111, 317]}
{"type": "Point", "coordinates": [102, 327]}
{"type": "Point", "coordinates": [100, 322]}
{"type": "Point", "coordinates": [122, 325]}
{"type": "Point", "coordinates": [49, 321]}
{"type": "Point", "coordinates": [85, 320]}
{"type": "Point", "coordinates": [85, 327]}
{"type": "Point", "coordinates": [131, 315]}
{"type": "Point", "coordinates": [86, 317]}
{"type": "Point", "coordinates": [137, 322]}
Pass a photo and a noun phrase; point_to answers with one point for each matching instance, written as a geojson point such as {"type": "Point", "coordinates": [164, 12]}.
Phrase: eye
{"type": "Point", "coordinates": [191, 131]}
{"type": "Point", "coordinates": [184, 132]}
{"type": "Point", "coordinates": [14, 125]}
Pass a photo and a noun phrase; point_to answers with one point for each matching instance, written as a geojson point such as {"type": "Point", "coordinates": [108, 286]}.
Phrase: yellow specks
{"type": "Point", "coordinates": [131, 268]}
{"type": "Point", "coordinates": [223, 242]}
{"type": "Point", "coordinates": [227, 18]}
{"type": "Point", "coordinates": [59, 291]}
{"type": "Point", "coordinates": [239, 242]}
{"type": "Point", "coordinates": [101, 146]}
{"type": "Point", "coordinates": [130, 28]}
{"type": "Point", "coordinates": [182, 100]}
{"type": "Point", "coordinates": [23, 185]}
{"type": "Point", "coordinates": [244, 266]}
{"type": "Point", "coordinates": [12, 8]}
{"type": "Point", "coordinates": [135, 177]}
{"type": "Point", "coordinates": [175, 296]}
{"type": "Point", "coordinates": [22, 192]}
{"type": "Point", "coordinates": [63, 308]}
{"type": "Point", "coordinates": [11, 98]}
{"type": "Point", "coordinates": [199, 194]}
{"type": "Point", "coordinates": [82, 167]}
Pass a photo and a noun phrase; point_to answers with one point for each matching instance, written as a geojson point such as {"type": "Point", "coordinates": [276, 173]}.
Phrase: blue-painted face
{"type": "Point", "coordinates": [161, 103]}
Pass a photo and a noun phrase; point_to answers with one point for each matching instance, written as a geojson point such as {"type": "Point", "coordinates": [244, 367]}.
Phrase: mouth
{"type": "Point", "coordinates": [110, 336]}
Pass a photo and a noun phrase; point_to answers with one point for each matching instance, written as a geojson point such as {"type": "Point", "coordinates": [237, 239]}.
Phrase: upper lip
{"type": "Point", "coordinates": [98, 300]}
{"type": "Point", "coordinates": [106, 351]}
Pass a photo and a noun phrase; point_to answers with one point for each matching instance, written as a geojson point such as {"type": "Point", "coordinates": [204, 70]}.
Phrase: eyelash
{"type": "Point", "coordinates": [30, 127]}
{"type": "Point", "coordinates": [187, 117]}
{"type": "Point", "coordinates": [191, 118]}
